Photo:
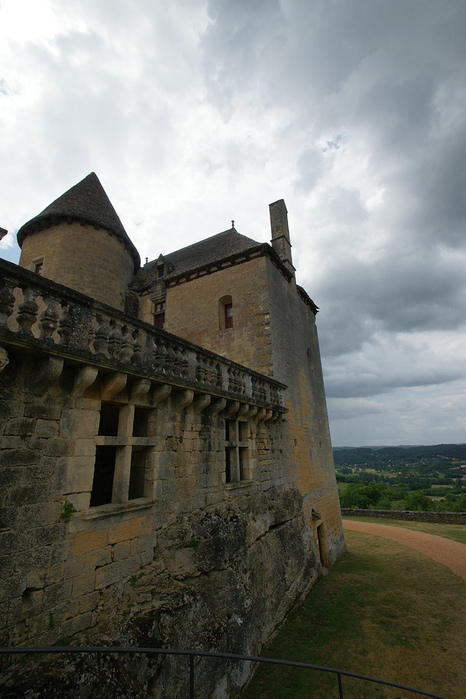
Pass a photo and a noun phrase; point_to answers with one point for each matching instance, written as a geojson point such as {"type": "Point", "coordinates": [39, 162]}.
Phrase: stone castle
{"type": "Point", "coordinates": [166, 465]}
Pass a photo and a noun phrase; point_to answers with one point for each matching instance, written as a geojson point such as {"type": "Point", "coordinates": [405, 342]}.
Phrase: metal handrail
{"type": "Point", "coordinates": [209, 654]}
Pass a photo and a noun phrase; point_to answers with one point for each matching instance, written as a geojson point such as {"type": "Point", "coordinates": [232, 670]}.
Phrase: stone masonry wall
{"type": "Point", "coordinates": [192, 312]}
{"type": "Point", "coordinates": [196, 562]}
{"type": "Point", "coordinates": [296, 362]}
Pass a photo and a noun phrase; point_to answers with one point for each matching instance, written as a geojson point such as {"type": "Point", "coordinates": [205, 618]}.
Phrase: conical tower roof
{"type": "Point", "coordinates": [87, 203]}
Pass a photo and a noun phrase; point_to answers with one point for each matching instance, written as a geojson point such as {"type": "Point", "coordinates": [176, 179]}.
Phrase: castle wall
{"type": "Point", "coordinates": [196, 562]}
{"type": "Point", "coordinates": [296, 362]}
{"type": "Point", "coordinates": [193, 312]}
{"type": "Point", "coordinates": [83, 258]}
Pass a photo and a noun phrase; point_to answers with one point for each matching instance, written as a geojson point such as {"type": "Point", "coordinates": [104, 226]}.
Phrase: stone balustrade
{"type": "Point", "coordinates": [39, 315]}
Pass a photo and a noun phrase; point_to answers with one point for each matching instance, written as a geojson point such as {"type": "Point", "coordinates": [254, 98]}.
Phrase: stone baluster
{"type": "Point", "coordinates": [101, 336]}
{"type": "Point", "coordinates": [136, 359]}
{"type": "Point", "coordinates": [199, 369]}
{"type": "Point", "coordinates": [159, 356]}
{"type": "Point", "coordinates": [126, 350]}
{"type": "Point", "coordinates": [64, 327]}
{"type": "Point", "coordinates": [48, 321]}
{"type": "Point", "coordinates": [183, 361]}
{"type": "Point", "coordinates": [170, 360]}
{"type": "Point", "coordinates": [114, 340]}
{"type": "Point", "coordinates": [27, 311]}
{"type": "Point", "coordinates": [7, 301]}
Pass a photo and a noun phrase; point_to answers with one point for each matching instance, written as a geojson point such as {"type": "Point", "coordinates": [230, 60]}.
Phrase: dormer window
{"type": "Point", "coordinates": [160, 271]}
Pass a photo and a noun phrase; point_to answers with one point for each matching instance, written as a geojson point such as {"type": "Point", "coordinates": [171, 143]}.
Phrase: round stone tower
{"type": "Point", "coordinates": [80, 242]}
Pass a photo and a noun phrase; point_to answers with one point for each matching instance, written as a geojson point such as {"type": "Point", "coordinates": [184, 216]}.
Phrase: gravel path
{"type": "Point", "coordinates": [450, 553]}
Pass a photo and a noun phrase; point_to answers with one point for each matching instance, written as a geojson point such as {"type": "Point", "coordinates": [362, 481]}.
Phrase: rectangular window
{"type": "Point", "coordinates": [38, 266]}
{"type": "Point", "coordinates": [104, 471]}
{"type": "Point", "coordinates": [236, 451]}
{"type": "Point", "coordinates": [122, 447]}
{"type": "Point", "coordinates": [228, 315]}
{"type": "Point", "coordinates": [159, 315]}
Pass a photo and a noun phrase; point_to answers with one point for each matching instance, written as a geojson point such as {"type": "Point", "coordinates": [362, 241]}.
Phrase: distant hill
{"type": "Point", "coordinates": [363, 455]}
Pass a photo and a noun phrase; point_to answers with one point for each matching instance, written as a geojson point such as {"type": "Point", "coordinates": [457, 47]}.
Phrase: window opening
{"type": "Point", "coordinates": [121, 452]}
{"type": "Point", "coordinates": [225, 312]}
{"type": "Point", "coordinates": [321, 540]}
{"type": "Point", "coordinates": [137, 474]}
{"type": "Point", "coordinates": [38, 267]}
{"type": "Point", "coordinates": [160, 271]}
{"type": "Point", "coordinates": [159, 315]}
{"type": "Point", "coordinates": [104, 472]}
{"type": "Point", "coordinates": [108, 424]}
{"type": "Point", "coordinates": [236, 451]}
{"type": "Point", "coordinates": [141, 418]}
{"type": "Point", "coordinates": [228, 315]}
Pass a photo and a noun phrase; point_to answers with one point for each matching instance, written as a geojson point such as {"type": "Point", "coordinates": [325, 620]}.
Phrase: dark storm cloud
{"type": "Point", "coordinates": [354, 111]}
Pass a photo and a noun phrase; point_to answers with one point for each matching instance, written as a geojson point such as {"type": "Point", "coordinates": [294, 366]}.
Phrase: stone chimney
{"type": "Point", "coordinates": [280, 233]}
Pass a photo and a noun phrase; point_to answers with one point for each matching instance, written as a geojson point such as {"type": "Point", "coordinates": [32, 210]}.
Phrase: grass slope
{"type": "Point", "coordinates": [457, 532]}
{"type": "Point", "coordinates": [384, 610]}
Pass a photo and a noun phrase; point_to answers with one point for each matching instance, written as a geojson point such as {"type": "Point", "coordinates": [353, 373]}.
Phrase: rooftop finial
{"type": "Point", "coordinates": [232, 223]}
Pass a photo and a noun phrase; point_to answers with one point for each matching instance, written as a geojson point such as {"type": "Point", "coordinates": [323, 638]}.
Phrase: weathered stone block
{"type": "Point", "coordinates": [46, 428]}
{"type": "Point", "coordinates": [138, 526]}
{"type": "Point", "coordinates": [122, 550]}
{"type": "Point", "coordinates": [98, 558]}
{"type": "Point", "coordinates": [89, 541]}
{"type": "Point", "coordinates": [23, 426]}
{"type": "Point", "coordinates": [50, 411]}
{"type": "Point", "coordinates": [59, 446]}
{"type": "Point", "coordinates": [83, 584]}
{"type": "Point", "coordinates": [18, 457]}
{"type": "Point", "coordinates": [107, 575]}
{"type": "Point", "coordinates": [77, 423]}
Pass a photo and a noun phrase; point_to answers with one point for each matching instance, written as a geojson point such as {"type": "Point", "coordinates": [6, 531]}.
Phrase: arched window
{"type": "Point", "coordinates": [225, 308]}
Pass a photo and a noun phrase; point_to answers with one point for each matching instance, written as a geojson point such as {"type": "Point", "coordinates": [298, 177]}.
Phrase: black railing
{"type": "Point", "coordinates": [227, 656]}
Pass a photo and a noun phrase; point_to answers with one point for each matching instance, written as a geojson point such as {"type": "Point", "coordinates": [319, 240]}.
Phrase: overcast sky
{"type": "Point", "coordinates": [195, 112]}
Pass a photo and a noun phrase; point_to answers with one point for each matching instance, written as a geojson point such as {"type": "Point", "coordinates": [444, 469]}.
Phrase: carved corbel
{"type": "Point", "coordinates": [139, 390]}
{"type": "Point", "coordinates": [268, 415]}
{"type": "Point", "coordinates": [113, 385]}
{"type": "Point", "coordinates": [3, 358]}
{"type": "Point", "coordinates": [243, 410]}
{"type": "Point", "coordinates": [232, 408]}
{"type": "Point", "coordinates": [202, 402]}
{"type": "Point", "coordinates": [85, 377]}
{"type": "Point", "coordinates": [218, 405]}
{"type": "Point", "coordinates": [252, 412]}
{"type": "Point", "coordinates": [49, 372]}
{"type": "Point", "coordinates": [260, 415]}
{"type": "Point", "coordinates": [160, 394]}
{"type": "Point", "coordinates": [185, 398]}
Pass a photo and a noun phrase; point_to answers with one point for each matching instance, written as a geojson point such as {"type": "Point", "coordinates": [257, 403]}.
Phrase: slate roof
{"type": "Point", "coordinates": [198, 255]}
{"type": "Point", "coordinates": [88, 203]}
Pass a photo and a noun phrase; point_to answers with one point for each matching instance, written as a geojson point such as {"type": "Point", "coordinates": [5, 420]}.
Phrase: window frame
{"type": "Point", "coordinates": [158, 314]}
{"type": "Point", "coordinates": [237, 446]}
{"type": "Point", "coordinates": [126, 488]}
{"type": "Point", "coordinates": [225, 313]}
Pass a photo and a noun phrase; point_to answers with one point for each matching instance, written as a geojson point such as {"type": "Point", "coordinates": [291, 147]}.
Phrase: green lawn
{"type": "Point", "coordinates": [457, 532]}
{"type": "Point", "coordinates": [384, 610]}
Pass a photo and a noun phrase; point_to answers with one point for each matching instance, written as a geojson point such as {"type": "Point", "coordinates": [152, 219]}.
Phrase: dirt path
{"type": "Point", "coordinates": [450, 553]}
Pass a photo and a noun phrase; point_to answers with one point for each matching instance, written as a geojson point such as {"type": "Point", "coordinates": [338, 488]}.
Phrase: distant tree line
{"type": "Point", "coordinates": [405, 478]}
{"type": "Point", "coordinates": [381, 496]}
